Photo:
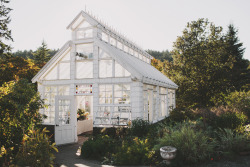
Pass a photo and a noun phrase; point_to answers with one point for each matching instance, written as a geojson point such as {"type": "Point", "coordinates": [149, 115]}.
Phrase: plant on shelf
{"type": "Point", "coordinates": [81, 115]}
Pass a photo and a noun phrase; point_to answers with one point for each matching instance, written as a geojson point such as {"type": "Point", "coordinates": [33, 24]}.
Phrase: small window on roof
{"type": "Point", "coordinates": [140, 56]}
{"type": "Point", "coordinates": [105, 37]}
{"type": "Point", "coordinates": [84, 33]}
{"type": "Point", "coordinates": [135, 54]}
{"type": "Point", "coordinates": [125, 48]}
{"type": "Point", "coordinates": [112, 41]}
{"type": "Point", "coordinates": [84, 24]}
{"type": "Point", "coordinates": [119, 45]}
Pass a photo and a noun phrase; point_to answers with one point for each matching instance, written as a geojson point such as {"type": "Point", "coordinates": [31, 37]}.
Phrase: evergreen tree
{"type": "Point", "coordinates": [240, 74]}
{"type": "Point", "coordinates": [164, 55]}
{"type": "Point", "coordinates": [5, 33]}
{"type": "Point", "coordinates": [41, 55]}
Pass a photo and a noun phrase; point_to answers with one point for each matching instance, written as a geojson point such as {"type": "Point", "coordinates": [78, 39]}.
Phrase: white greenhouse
{"type": "Point", "coordinates": [104, 74]}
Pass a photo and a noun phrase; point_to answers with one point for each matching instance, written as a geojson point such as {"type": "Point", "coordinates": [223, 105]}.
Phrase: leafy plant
{"type": "Point", "coordinates": [239, 100]}
{"type": "Point", "coordinates": [192, 146]}
{"type": "Point", "coordinates": [139, 128]}
{"type": "Point", "coordinates": [19, 104]}
{"type": "Point", "coordinates": [136, 152]}
{"type": "Point", "coordinates": [231, 141]}
{"type": "Point", "coordinates": [231, 120]}
{"type": "Point", "coordinates": [181, 114]}
{"type": "Point", "coordinates": [36, 150]}
{"type": "Point", "coordinates": [98, 147]}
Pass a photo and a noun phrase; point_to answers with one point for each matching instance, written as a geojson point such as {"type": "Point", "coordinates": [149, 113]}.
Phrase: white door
{"type": "Point", "coordinates": [65, 120]}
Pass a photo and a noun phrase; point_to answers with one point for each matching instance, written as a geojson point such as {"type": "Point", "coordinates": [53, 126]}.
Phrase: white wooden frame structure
{"type": "Point", "coordinates": [112, 69]}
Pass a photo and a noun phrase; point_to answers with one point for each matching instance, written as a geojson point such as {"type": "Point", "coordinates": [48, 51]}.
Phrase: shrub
{"type": "Point", "coordinates": [98, 147]}
{"type": "Point", "coordinates": [222, 117]}
{"type": "Point", "coordinates": [192, 146]}
{"type": "Point", "coordinates": [181, 114]}
{"type": "Point", "coordinates": [136, 152]}
{"type": "Point", "coordinates": [240, 101]}
{"type": "Point", "coordinates": [232, 141]}
{"type": "Point", "coordinates": [19, 104]}
{"type": "Point", "coordinates": [36, 150]}
{"type": "Point", "coordinates": [140, 128]}
{"type": "Point", "coordinates": [231, 120]}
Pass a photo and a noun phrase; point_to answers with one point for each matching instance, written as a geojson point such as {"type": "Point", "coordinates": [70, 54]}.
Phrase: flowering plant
{"type": "Point", "coordinates": [81, 114]}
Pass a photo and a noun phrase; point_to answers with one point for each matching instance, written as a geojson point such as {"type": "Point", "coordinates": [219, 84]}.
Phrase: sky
{"type": "Point", "coordinates": [152, 24]}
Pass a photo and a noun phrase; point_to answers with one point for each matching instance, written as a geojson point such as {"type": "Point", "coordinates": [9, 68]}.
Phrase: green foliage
{"type": "Point", "coordinates": [136, 152]}
{"type": "Point", "coordinates": [203, 63]}
{"type": "Point", "coordinates": [41, 56]}
{"type": "Point", "coordinates": [231, 120]}
{"type": "Point", "coordinates": [19, 104]}
{"type": "Point", "coordinates": [98, 147]}
{"type": "Point", "coordinates": [181, 114]}
{"type": "Point", "coordinates": [28, 54]}
{"type": "Point", "coordinates": [36, 150]}
{"type": "Point", "coordinates": [80, 114]}
{"type": "Point", "coordinates": [222, 117]}
{"type": "Point", "coordinates": [192, 145]}
{"type": "Point", "coordinates": [139, 128]}
{"type": "Point", "coordinates": [15, 68]}
{"type": "Point", "coordinates": [239, 75]}
{"type": "Point", "coordinates": [228, 140]}
{"type": "Point", "coordinates": [162, 56]}
{"type": "Point", "coordinates": [239, 100]}
{"type": "Point", "coordinates": [5, 33]}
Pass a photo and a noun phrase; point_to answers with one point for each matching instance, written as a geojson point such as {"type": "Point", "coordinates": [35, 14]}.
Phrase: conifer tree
{"type": "Point", "coordinates": [5, 33]}
{"type": "Point", "coordinates": [240, 74]}
{"type": "Point", "coordinates": [41, 55]}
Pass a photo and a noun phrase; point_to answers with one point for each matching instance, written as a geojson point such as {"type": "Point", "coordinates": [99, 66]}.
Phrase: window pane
{"type": "Point", "coordinates": [87, 33]}
{"type": "Point", "coordinates": [64, 71]}
{"type": "Point", "coordinates": [119, 45]}
{"type": "Point", "coordinates": [120, 71]}
{"type": "Point", "coordinates": [112, 41]}
{"type": "Point", "coordinates": [136, 54]}
{"type": "Point", "coordinates": [63, 90]}
{"type": "Point", "coordinates": [125, 48]}
{"type": "Point", "coordinates": [122, 93]}
{"type": "Point", "coordinates": [105, 94]}
{"type": "Point", "coordinates": [66, 57]}
{"type": "Point", "coordinates": [104, 37]}
{"type": "Point", "coordinates": [85, 50]}
{"type": "Point", "coordinates": [105, 68]}
{"type": "Point", "coordinates": [52, 75]}
{"type": "Point", "coordinates": [103, 55]}
{"type": "Point", "coordinates": [84, 69]}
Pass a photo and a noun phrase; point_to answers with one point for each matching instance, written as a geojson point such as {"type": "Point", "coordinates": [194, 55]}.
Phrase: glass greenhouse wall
{"type": "Point", "coordinates": [103, 76]}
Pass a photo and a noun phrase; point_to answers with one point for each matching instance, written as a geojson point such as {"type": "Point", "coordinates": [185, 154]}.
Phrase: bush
{"type": "Point", "coordinates": [98, 147]}
{"type": "Point", "coordinates": [19, 104]}
{"type": "Point", "coordinates": [181, 114]}
{"type": "Point", "coordinates": [136, 152]}
{"type": "Point", "coordinates": [192, 146]}
{"type": "Point", "coordinates": [139, 128]}
{"type": "Point", "coordinates": [222, 117]}
{"type": "Point", "coordinates": [231, 120]}
{"type": "Point", "coordinates": [36, 150]}
{"type": "Point", "coordinates": [240, 101]}
{"type": "Point", "coordinates": [231, 141]}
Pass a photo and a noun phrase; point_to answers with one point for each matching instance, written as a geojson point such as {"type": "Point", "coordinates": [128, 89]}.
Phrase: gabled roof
{"type": "Point", "coordinates": [139, 69]}
{"type": "Point", "coordinates": [95, 22]}
{"type": "Point", "coordinates": [53, 60]}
